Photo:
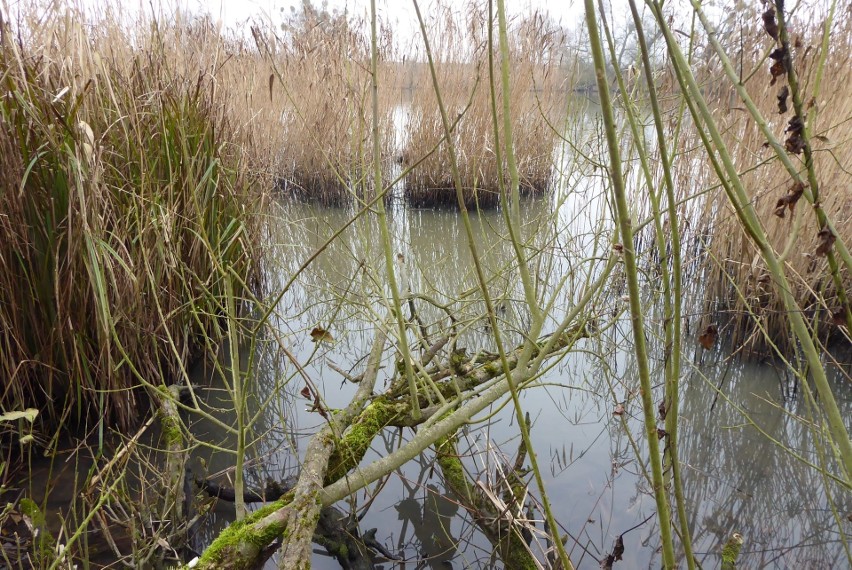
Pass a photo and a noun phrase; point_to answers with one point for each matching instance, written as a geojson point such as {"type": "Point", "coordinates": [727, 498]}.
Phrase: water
{"type": "Point", "coordinates": [735, 477]}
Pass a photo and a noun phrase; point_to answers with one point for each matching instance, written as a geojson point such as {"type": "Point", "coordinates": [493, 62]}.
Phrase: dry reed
{"type": "Point", "coordinates": [538, 93]}
{"type": "Point", "coordinates": [125, 205]}
{"type": "Point", "coordinates": [739, 283]}
{"type": "Point", "coordinates": [319, 88]}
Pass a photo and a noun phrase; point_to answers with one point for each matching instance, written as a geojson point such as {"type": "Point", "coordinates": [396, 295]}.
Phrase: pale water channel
{"type": "Point", "coordinates": [736, 478]}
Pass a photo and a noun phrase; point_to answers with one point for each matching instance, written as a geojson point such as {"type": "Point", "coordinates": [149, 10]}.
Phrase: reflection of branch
{"type": "Point", "coordinates": [341, 445]}
{"type": "Point", "coordinates": [495, 518]}
{"type": "Point", "coordinates": [298, 512]}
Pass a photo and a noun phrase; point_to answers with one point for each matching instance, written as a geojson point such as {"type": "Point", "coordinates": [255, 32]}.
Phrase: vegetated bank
{"type": "Point", "coordinates": [128, 211]}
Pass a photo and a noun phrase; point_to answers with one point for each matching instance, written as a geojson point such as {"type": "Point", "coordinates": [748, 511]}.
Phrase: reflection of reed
{"type": "Point", "coordinates": [740, 480]}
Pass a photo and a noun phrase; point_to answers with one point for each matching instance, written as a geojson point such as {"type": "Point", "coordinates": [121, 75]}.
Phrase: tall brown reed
{"type": "Point", "coordinates": [739, 282]}
{"type": "Point", "coordinates": [538, 92]}
{"type": "Point", "coordinates": [319, 89]}
{"type": "Point", "coordinates": [124, 206]}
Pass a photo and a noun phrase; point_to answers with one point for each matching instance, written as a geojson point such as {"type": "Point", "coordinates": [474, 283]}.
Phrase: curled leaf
{"type": "Point", "coordinates": [708, 338]}
{"type": "Point", "coordinates": [769, 23]}
{"type": "Point", "coordinates": [782, 99]}
{"type": "Point", "coordinates": [795, 143]}
{"type": "Point", "coordinates": [825, 239]}
{"type": "Point", "coordinates": [777, 70]}
{"type": "Point", "coordinates": [319, 334]}
{"type": "Point", "coordinates": [305, 392]}
{"type": "Point", "coordinates": [662, 409]}
{"type": "Point", "coordinates": [789, 199]}
{"type": "Point", "coordinates": [618, 550]}
{"type": "Point", "coordinates": [661, 433]}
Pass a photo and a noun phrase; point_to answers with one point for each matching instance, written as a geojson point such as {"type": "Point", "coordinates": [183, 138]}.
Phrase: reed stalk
{"type": "Point", "coordinates": [726, 171]}
{"type": "Point", "coordinates": [623, 216]}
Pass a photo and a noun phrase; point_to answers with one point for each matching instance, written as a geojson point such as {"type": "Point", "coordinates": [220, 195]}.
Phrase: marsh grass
{"type": "Point", "coordinates": [739, 284]}
{"type": "Point", "coordinates": [318, 91]}
{"type": "Point", "coordinates": [125, 201]}
{"type": "Point", "coordinates": [536, 103]}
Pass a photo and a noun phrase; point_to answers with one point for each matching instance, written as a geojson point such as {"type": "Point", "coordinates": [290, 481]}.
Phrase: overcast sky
{"type": "Point", "coordinates": [400, 13]}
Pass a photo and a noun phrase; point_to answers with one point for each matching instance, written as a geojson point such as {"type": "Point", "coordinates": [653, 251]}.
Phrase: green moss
{"type": "Point", "coordinates": [451, 466]}
{"type": "Point", "coordinates": [170, 427]}
{"type": "Point", "coordinates": [731, 551]}
{"type": "Point", "coordinates": [238, 545]}
{"type": "Point", "coordinates": [356, 441]}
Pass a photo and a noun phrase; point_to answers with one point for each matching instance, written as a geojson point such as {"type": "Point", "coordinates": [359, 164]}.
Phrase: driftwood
{"type": "Point", "coordinates": [336, 531]}
{"type": "Point", "coordinates": [341, 445]}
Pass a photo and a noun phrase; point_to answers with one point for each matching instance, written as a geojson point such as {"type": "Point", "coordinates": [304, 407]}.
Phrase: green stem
{"type": "Point", "coordinates": [631, 271]}
{"type": "Point", "coordinates": [751, 225]}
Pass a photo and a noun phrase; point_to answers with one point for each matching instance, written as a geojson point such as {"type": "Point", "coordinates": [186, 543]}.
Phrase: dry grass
{"type": "Point", "coordinates": [738, 280]}
{"type": "Point", "coordinates": [537, 100]}
{"type": "Point", "coordinates": [125, 205]}
{"type": "Point", "coordinates": [319, 87]}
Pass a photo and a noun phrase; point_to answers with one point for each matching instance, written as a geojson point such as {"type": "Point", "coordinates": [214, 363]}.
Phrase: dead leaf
{"type": "Point", "coordinates": [662, 410]}
{"type": "Point", "coordinates": [795, 143]}
{"type": "Point", "coordinates": [618, 248]}
{"type": "Point", "coordinates": [708, 338]}
{"type": "Point", "coordinates": [306, 392]}
{"type": "Point", "coordinates": [619, 410]}
{"type": "Point", "coordinates": [777, 70]}
{"type": "Point", "coordinates": [789, 200]}
{"type": "Point", "coordinates": [782, 99]}
{"type": "Point", "coordinates": [618, 551]}
{"type": "Point", "coordinates": [826, 239]}
{"type": "Point", "coordinates": [661, 433]}
{"type": "Point", "coordinates": [319, 334]}
{"type": "Point", "coordinates": [778, 54]}
{"type": "Point", "coordinates": [769, 23]}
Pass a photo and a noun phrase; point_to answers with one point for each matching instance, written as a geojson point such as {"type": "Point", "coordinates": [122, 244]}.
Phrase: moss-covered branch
{"type": "Point", "coordinates": [500, 527]}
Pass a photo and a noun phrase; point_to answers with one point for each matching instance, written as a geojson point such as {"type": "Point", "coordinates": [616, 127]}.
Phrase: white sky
{"type": "Point", "coordinates": [569, 13]}
{"type": "Point", "coordinates": [402, 11]}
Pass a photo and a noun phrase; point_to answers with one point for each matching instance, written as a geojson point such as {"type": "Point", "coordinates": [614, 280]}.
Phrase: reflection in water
{"type": "Point", "coordinates": [735, 478]}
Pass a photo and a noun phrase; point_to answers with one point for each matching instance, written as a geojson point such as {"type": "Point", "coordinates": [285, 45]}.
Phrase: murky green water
{"type": "Point", "coordinates": [735, 477]}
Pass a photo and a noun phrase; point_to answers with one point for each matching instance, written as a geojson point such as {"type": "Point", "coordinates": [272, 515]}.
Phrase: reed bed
{"type": "Point", "coordinates": [738, 283]}
{"type": "Point", "coordinates": [539, 86]}
{"type": "Point", "coordinates": [126, 207]}
{"type": "Point", "coordinates": [319, 86]}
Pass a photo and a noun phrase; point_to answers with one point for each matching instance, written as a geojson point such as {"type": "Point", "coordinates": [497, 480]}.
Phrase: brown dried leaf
{"type": "Point", "coordinates": [618, 551]}
{"type": "Point", "coordinates": [795, 144]}
{"type": "Point", "coordinates": [826, 239]}
{"type": "Point", "coordinates": [661, 433]}
{"type": "Point", "coordinates": [662, 409]}
{"type": "Point", "coordinates": [789, 200]}
{"type": "Point", "coordinates": [795, 126]}
{"type": "Point", "coordinates": [305, 392]}
{"type": "Point", "coordinates": [319, 334]}
{"type": "Point", "coordinates": [778, 54]}
{"type": "Point", "coordinates": [777, 70]}
{"type": "Point", "coordinates": [769, 23]}
{"type": "Point", "coordinates": [782, 99]}
{"type": "Point", "coordinates": [708, 338]}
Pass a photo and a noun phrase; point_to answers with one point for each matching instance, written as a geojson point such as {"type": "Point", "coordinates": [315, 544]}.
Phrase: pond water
{"type": "Point", "coordinates": [737, 475]}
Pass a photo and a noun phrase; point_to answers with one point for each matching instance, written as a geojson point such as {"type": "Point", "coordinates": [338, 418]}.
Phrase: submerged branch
{"type": "Point", "coordinates": [340, 446]}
